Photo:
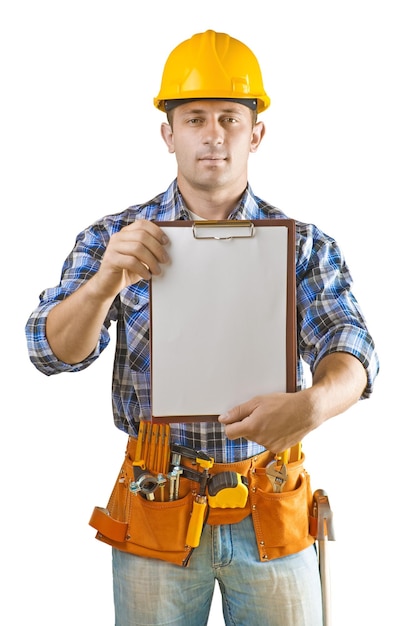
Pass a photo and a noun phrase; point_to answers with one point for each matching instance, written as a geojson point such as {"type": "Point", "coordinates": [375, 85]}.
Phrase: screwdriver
{"type": "Point", "coordinates": [198, 514]}
{"type": "Point", "coordinates": [195, 527]}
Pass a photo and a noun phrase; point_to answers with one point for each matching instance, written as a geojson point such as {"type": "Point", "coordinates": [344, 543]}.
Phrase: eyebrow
{"type": "Point", "coordinates": [200, 111]}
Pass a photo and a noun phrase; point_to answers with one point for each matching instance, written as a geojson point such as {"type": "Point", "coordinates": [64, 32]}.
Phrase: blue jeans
{"type": "Point", "coordinates": [281, 592]}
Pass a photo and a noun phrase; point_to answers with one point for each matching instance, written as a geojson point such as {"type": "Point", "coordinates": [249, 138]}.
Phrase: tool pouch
{"type": "Point", "coordinates": [158, 529]}
{"type": "Point", "coordinates": [281, 520]}
{"type": "Point", "coordinates": [142, 527]}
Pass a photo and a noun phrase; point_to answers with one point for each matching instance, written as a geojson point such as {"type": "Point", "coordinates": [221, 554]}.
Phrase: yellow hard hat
{"type": "Point", "coordinates": [212, 65]}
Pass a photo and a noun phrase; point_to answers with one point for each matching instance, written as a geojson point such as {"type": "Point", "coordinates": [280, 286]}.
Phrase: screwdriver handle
{"type": "Point", "coordinates": [195, 527]}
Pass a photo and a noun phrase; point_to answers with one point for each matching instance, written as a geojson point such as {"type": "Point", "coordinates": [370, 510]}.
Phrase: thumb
{"type": "Point", "coordinates": [237, 413]}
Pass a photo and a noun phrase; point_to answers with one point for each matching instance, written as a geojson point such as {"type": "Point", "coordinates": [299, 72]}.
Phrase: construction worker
{"type": "Point", "coordinates": [211, 92]}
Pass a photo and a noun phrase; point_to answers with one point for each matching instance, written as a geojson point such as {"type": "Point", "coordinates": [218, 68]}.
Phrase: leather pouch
{"type": "Point", "coordinates": [281, 520]}
{"type": "Point", "coordinates": [146, 528]}
{"type": "Point", "coordinates": [157, 529]}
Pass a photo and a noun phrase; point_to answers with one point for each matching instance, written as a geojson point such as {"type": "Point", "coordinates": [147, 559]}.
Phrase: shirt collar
{"type": "Point", "coordinates": [247, 208]}
{"type": "Point", "coordinates": [172, 204]}
{"type": "Point", "coordinates": [174, 208]}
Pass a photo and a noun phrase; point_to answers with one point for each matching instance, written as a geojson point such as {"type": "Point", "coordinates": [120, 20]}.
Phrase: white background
{"type": "Point", "coordinates": [80, 139]}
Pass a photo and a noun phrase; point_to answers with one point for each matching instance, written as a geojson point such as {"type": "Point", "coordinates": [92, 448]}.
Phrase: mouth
{"type": "Point", "coordinates": [211, 157]}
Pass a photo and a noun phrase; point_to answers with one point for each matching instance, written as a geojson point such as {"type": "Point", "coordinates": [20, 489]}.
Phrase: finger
{"type": "Point", "coordinates": [149, 256]}
{"type": "Point", "coordinates": [237, 413]}
{"type": "Point", "coordinates": [232, 422]}
{"type": "Point", "coordinates": [151, 228]}
{"type": "Point", "coordinates": [143, 246]}
{"type": "Point", "coordinates": [230, 416]}
{"type": "Point", "coordinates": [132, 258]}
{"type": "Point", "coordinates": [235, 430]}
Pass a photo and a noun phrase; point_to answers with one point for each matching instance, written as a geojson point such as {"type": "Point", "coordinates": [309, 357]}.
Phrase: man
{"type": "Point", "coordinates": [212, 91]}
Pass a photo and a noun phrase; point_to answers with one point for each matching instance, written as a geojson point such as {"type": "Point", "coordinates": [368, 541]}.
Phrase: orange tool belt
{"type": "Point", "coordinates": [158, 529]}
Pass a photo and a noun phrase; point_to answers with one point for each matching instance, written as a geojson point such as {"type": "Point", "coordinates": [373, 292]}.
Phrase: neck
{"type": "Point", "coordinates": [210, 204]}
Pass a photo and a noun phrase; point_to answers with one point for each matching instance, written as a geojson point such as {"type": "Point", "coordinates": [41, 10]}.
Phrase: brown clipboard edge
{"type": "Point", "coordinates": [291, 344]}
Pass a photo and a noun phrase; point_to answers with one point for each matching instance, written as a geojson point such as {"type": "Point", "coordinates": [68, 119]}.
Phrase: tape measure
{"type": "Point", "coordinates": [227, 490]}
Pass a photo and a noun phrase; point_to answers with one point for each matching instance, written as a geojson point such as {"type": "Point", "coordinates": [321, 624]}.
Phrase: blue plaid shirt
{"type": "Point", "coordinates": [329, 318]}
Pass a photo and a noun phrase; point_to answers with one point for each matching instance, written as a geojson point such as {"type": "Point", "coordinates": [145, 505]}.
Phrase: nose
{"type": "Point", "coordinates": [213, 133]}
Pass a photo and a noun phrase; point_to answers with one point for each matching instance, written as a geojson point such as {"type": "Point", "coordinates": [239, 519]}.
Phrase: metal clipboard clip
{"type": "Point", "coordinates": [225, 229]}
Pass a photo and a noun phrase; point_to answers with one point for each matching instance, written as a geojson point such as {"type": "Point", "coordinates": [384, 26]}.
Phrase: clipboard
{"type": "Point", "coordinates": [222, 317]}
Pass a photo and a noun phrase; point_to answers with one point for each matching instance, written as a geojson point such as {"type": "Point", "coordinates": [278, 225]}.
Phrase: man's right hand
{"type": "Point", "coordinates": [135, 252]}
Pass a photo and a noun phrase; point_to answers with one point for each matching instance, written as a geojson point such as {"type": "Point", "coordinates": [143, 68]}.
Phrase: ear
{"type": "Point", "coordinates": [168, 136]}
{"type": "Point", "coordinates": [258, 131]}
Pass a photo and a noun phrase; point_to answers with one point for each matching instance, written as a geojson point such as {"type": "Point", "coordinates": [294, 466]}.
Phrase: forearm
{"type": "Point", "coordinates": [134, 253]}
{"type": "Point", "coordinates": [338, 383]}
{"type": "Point", "coordinates": [73, 326]}
{"type": "Point", "coordinates": [280, 420]}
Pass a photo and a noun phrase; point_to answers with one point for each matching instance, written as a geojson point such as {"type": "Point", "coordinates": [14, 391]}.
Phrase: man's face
{"type": "Point", "coordinates": [212, 141]}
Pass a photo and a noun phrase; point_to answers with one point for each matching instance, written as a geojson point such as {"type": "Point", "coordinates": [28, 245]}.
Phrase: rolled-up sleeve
{"type": "Point", "coordinates": [80, 265]}
{"type": "Point", "coordinates": [40, 352]}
